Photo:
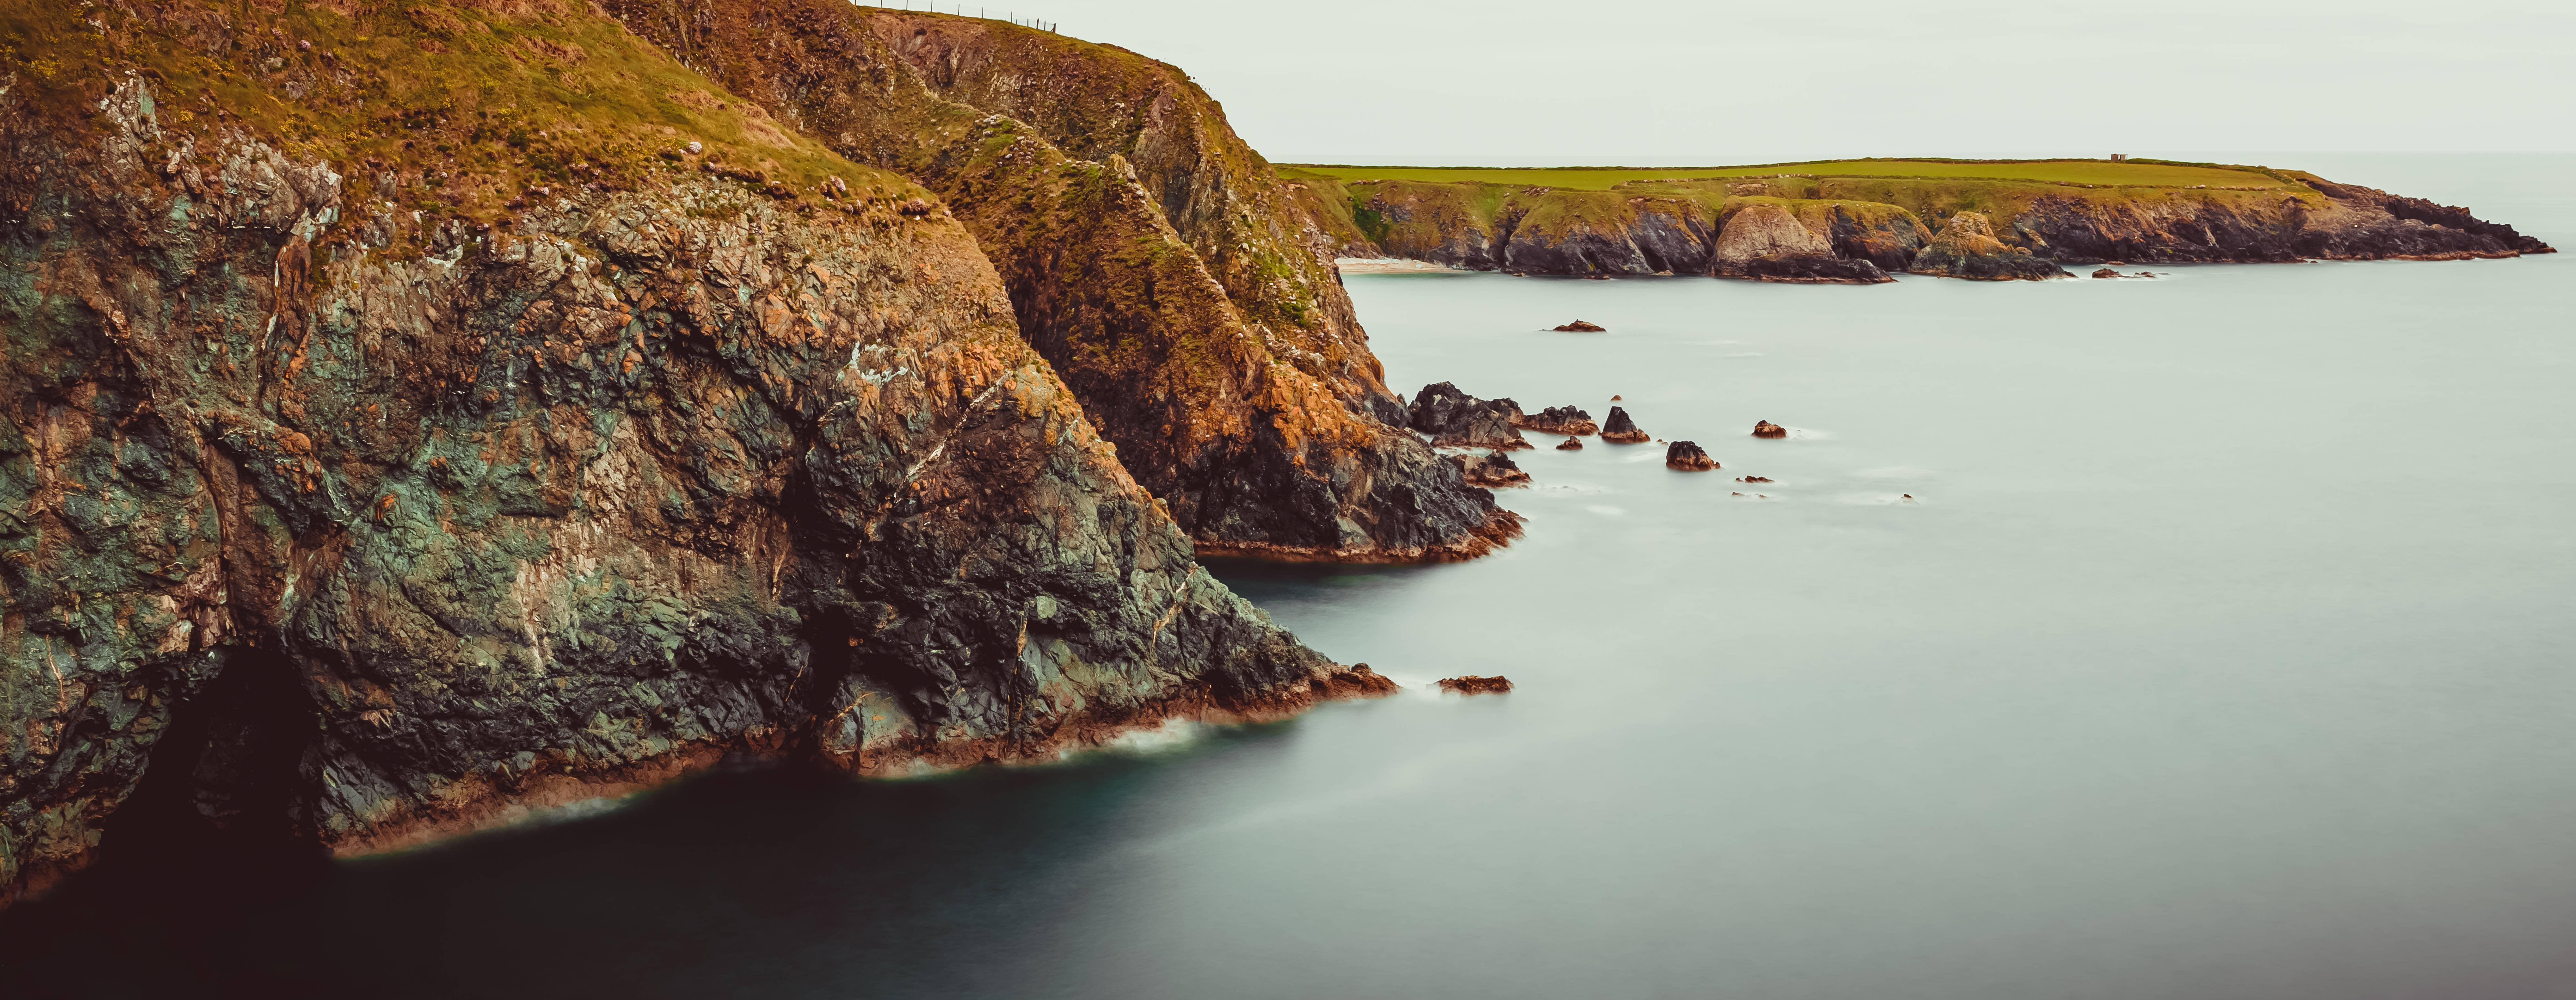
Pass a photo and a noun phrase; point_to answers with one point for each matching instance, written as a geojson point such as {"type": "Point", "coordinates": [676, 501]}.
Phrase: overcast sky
{"type": "Point", "coordinates": [1447, 81]}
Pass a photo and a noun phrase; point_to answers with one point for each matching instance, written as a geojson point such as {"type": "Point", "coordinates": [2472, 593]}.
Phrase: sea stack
{"type": "Point", "coordinates": [1558, 420]}
{"type": "Point", "coordinates": [1621, 430]}
{"type": "Point", "coordinates": [1767, 429]}
{"type": "Point", "coordinates": [1688, 457]}
{"type": "Point", "coordinates": [1457, 420]}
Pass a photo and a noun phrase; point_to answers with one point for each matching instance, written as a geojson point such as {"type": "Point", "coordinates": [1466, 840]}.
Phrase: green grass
{"type": "Point", "coordinates": [2139, 173]}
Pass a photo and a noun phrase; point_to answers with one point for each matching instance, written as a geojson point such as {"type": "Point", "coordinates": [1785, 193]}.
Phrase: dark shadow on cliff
{"type": "Point", "coordinates": [756, 879]}
{"type": "Point", "coordinates": [195, 865]}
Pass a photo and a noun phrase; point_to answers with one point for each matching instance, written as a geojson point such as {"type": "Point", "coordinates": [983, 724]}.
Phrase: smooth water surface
{"type": "Point", "coordinates": [2224, 650]}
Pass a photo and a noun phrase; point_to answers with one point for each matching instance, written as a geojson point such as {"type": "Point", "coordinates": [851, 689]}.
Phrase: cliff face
{"type": "Point", "coordinates": [406, 509]}
{"type": "Point", "coordinates": [1190, 306]}
{"type": "Point", "coordinates": [1868, 226]}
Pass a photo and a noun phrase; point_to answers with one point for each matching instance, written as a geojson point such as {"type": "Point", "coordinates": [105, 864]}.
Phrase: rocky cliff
{"type": "Point", "coordinates": [411, 416]}
{"type": "Point", "coordinates": [1858, 229]}
{"type": "Point", "coordinates": [1157, 263]}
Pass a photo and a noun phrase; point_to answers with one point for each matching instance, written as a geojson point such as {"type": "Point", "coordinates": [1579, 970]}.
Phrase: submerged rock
{"type": "Point", "coordinates": [1492, 471]}
{"type": "Point", "coordinates": [1473, 684]}
{"type": "Point", "coordinates": [1968, 248]}
{"type": "Point", "coordinates": [1559, 420]}
{"type": "Point", "coordinates": [1752, 479]}
{"type": "Point", "coordinates": [1688, 457]}
{"type": "Point", "coordinates": [1767, 429]}
{"type": "Point", "coordinates": [1621, 430]}
{"type": "Point", "coordinates": [1457, 420]}
{"type": "Point", "coordinates": [1579, 326]}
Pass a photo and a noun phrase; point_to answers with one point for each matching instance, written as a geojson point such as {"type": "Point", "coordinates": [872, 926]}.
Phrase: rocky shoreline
{"type": "Point", "coordinates": [1798, 228]}
{"type": "Point", "coordinates": [378, 464]}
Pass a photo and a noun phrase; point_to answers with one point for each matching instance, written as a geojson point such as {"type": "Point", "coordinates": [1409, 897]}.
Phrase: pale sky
{"type": "Point", "coordinates": [1448, 81]}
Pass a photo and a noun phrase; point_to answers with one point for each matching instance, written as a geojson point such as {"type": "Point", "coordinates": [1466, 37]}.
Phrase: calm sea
{"type": "Point", "coordinates": [2225, 648]}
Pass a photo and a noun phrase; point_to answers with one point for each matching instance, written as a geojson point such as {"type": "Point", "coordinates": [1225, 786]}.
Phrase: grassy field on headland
{"type": "Point", "coordinates": [2143, 173]}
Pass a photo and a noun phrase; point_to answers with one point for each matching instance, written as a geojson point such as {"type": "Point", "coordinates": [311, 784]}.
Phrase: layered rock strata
{"type": "Point", "coordinates": [407, 510]}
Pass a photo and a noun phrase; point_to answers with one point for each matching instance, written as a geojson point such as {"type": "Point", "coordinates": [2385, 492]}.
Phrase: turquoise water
{"type": "Point", "coordinates": [2225, 650]}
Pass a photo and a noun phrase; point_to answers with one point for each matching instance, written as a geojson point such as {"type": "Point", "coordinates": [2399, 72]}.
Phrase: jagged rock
{"type": "Point", "coordinates": [1156, 261]}
{"type": "Point", "coordinates": [1494, 470]}
{"type": "Point", "coordinates": [1558, 420]}
{"type": "Point", "coordinates": [1571, 444]}
{"type": "Point", "coordinates": [1967, 248]}
{"type": "Point", "coordinates": [1621, 430]}
{"type": "Point", "coordinates": [1767, 242]}
{"type": "Point", "coordinates": [1473, 684]}
{"type": "Point", "coordinates": [1767, 429]}
{"type": "Point", "coordinates": [1688, 457]}
{"type": "Point", "coordinates": [1579, 326]}
{"type": "Point", "coordinates": [1457, 420]}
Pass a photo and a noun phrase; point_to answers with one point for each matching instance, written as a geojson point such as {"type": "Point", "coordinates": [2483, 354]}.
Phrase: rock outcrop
{"type": "Point", "coordinates": [1558, 420]}
{"type": "Point", "coordinates": [1767, 429]}
{"type": "Point", "coordinates": [1457, 420]}
{"type": "Point", "coordinates": [1492, 470]}
{"type": "Point", "coordinates": [1967, 248]}
{"type": "Point", "coordinates": [1764, 241]}
{"type": "Point", "coordinates": [1155, 261]}
{"type": "Point", "coordinates": [341, 499]}
{"type": "Point", "coordinates": [1619, 429]}
{"type": "Point", "coordinates": [1570, 444]}
{"type": "Point", "coordinates": [1579, 326]}
{"type": "Point", "coordinates": [1688, 457]}
{"type": "Point", "coordinates": [1475, 684]}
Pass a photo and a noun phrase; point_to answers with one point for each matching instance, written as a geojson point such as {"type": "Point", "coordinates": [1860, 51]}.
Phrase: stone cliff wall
{"type": "Point", "coordinates": [1179, 293]}
{"type": "Point", "coordinates": [412, 510]}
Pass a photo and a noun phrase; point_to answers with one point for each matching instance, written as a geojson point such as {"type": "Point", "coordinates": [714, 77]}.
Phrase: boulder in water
{"type": "Point", "coordinates": [1472, 684]}
{"type": "Point", "coordinates": [1579, 326]}
{"type": "Point", "coordinates": [1767, 429]}
{"type": "Point", "coordinates": [1571, 444]}
{"type": "Point", "coordinates": [1621, 430]}
{"type": "Point", "coordinates": [1457, 420]}
{"type": "Point", "coordinates": [1687, 456]}
{"type": "Point", "coordinates": [1492, 471]}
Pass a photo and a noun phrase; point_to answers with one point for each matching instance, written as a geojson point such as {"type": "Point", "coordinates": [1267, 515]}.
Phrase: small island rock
{"type": "Point", "coordinates": [1558, 420]}
{"type": "Point", "coordinates": [1579, 326]}
{"type": "Point", "coordinates": [1621, 430]}
{"type": "Point", "coordinates": [1767, 429]}
{"type": "Point", "coordinates": [1688, 457]}
{"type": "Point", "coordinates": [1457, 420]}
{"type": "Point", "coordinates": [1472, 684]}
{"type": "Point", "coordinates": [1571, 444]}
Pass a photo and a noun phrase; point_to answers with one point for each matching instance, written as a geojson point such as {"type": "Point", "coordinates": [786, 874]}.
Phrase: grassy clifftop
{"type": "Point", "coordinates": [2107, 173]}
